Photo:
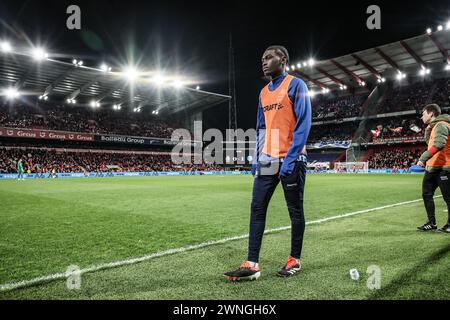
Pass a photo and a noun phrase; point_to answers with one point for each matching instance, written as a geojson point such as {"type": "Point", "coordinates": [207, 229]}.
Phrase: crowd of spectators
{"type": "Point", "coordinates": [404, 97]}
{"type": "Point", "coordinates": [43, 161]}
{"type": "Point", "coordinates": [441, 95]}
{"type": "Point", "coordinates": [394, 158]}
{"type": "Point", "coordinates": [337, 108]}
{"type": "Point", "coordinates": [390, 127]}
{"type": "Point", "coordinates": [332, 132]}
{"type": "Point", "coordinates": [85, 119]}
{"type": "Point", "coordinates": [396, 127]}
{"type": "Point", "coordinates": [416, 95]}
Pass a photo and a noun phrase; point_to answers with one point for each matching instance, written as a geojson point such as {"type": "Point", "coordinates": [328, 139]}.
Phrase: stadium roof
{"type": "Point", "coordinates": [369, 65]}
{"type": "Point", "coordinates": [63, 81]}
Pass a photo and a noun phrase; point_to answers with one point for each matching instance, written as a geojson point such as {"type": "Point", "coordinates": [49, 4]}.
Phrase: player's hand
{"type": "Point", "coordinates": [420, 163]}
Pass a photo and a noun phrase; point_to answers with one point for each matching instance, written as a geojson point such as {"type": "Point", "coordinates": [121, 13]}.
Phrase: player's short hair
{"type": "Point", "coordinates": [280, 51]}
{"type": "Point", "coordinates": [434, 108]}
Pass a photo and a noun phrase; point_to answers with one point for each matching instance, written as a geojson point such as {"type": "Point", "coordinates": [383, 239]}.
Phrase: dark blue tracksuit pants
{"type": "Point", "coordinates": [263, 187]}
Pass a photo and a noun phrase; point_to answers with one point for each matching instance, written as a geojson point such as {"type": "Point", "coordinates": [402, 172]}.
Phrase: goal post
{"type": "Point", "coordinates": [351, 167]}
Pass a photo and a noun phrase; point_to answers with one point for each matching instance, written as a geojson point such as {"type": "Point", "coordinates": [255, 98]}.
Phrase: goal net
{"type": "Point", "coordinates": [351, 167]}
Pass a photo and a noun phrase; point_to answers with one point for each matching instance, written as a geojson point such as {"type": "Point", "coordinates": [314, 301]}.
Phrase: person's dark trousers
{"type": "Point", "coordinates": [263, 187]}
{"type": "Point", "coordinates": [431, 181]}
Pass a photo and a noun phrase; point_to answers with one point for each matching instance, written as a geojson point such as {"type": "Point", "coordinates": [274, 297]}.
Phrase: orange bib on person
{"type": "Point", "coordinates": [280, 119]}
{"type": "Point", "coordinates": [442, 157]}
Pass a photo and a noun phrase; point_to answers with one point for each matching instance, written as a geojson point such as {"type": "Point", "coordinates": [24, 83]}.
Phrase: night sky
{"type": "Point", "coordinates": [192, 37]}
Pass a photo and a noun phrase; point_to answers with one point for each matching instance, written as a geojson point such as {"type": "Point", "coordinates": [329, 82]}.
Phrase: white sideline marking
{"type": "Point", "coordinates": [58, 276]}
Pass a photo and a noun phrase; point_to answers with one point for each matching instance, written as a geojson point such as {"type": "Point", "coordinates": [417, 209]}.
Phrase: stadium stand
{"type": "Point", "coordinates": [44, 160]}
{"type": "Point", "coordinates": [329, 132]}
{"type": "Point", "coordinates": [83, 119]}
{"type": "Point", "coordinates": [395, 158]}
{"type": "Point", "coordinates": [338, 108]}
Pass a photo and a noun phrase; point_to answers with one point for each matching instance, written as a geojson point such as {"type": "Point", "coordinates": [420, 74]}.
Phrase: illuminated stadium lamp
{"type": "Point", "coordinates": [94, 104]}
{"type": "Point", "coordinates": [305, 64]}
{"type": "Point", "coordinates": [178, 84]}
{"type": "Point", "coordinates": [156, 112]}
{"type": "Point", "coordinates": [11, 93]}
{"type": "Point", "coordinates": [80, 63]}
{"type": "Point", "coordinates": [158, 79]}
{"type": "Point", "coordinates": [383, 80]}
{"type": "Point", "coordinates": [105, 68]}
{"type": "Point", "coordinates": [5, 46]}
{"type": "Point", "coordinates": [130, 73]}
{"type": "Point", "coordinates": [197, 88]}
{"type": "Point", "coordinates": [429, 31]}
{"type": "Point", "coordinates": [311, 62]}
{"type": "Point", "coordinates": [74, 61]}
{"type": "Point", "coordinates": [292, 67]}
{"type": "Point", "coordinates": [424, 71]}
{"type": "Point", "coordinates": [312, 93]}
{"type": "Point", "coordinates": [69, 101]}
{"type": "Point", "coordinates": [440, 28]}
{"type": "Point", "coordinates": [447, 26]}
{"type": "Point", "coordinates": [447, 67]}
{"type": "Point", "coordinates": [39, 54]}
{"type": "Point", "coordinates": [287, 68]}
{"type": "Point", "coordinates": [400, 75]}
{"type": "Point", "coordinates": [299, 65]}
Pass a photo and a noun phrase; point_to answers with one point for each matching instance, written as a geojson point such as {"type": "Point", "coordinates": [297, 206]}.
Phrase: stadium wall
{"type": "Point", "coordinates": [48, 175]}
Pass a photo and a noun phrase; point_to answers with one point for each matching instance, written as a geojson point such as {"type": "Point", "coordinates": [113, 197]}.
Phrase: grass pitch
{"type": "Point", "coordinates": [47, 225]}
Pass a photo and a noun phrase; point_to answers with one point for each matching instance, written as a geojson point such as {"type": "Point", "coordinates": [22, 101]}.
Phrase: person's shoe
{"type": "Point", "coordinates": [244, 272]}
{"type": "Point", "coordinates": [427, 227]}
{"type": "Point", "coordinates": [292, 267]}
{"type": "Point", "coordinates": [445, 228]}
